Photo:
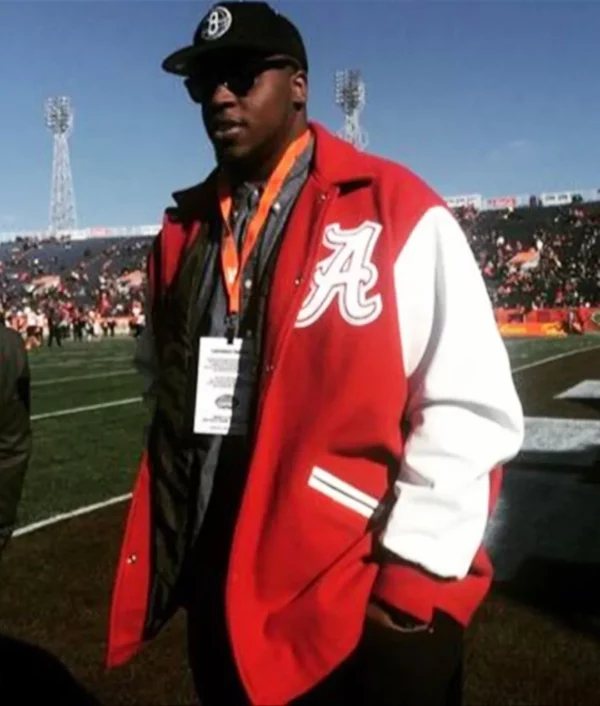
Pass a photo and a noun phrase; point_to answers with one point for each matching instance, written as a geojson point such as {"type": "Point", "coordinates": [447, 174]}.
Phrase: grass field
{"type": "Point", "coordinates": [57, 580]}
{"type": "Point", "coordinates": [86, 457]}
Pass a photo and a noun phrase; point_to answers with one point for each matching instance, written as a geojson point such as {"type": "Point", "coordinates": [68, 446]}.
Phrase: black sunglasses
{"type": "Point", "coordinates": [239, 79]}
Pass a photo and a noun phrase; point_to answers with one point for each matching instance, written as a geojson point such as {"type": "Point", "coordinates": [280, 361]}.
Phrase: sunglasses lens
{"type": "Point", "coordinates": [195, 89]}
{"type": "Point", "coordinates": [241, 82]}
{"type": "Point", "coordinates": [238, 80]}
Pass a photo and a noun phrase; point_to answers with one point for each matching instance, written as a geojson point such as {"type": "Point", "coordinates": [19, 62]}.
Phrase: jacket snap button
{"type": "Point", "coordinates": [131, 559]}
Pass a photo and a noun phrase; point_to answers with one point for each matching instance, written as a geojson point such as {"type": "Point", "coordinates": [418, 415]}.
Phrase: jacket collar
{"type": "Point", "coordinates": [335, 163]}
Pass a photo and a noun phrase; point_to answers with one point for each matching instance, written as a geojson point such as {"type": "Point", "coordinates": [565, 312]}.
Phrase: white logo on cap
{"type": "Point", "coordinates": [216, 23]}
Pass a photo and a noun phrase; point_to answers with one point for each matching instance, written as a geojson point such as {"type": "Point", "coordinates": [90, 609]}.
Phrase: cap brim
{"type": "Point", "coordinates": [180, 61]}
{"type": "Point", "coordinates": [191, 60]}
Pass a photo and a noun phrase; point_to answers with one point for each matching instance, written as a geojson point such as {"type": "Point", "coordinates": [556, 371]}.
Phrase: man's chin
{"type": "Point", "coordinates": [231, 152]}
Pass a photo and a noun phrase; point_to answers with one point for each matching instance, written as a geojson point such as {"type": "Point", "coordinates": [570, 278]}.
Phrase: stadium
{"type": "Point", "coordinates": [544, 527]}
{"type": "Point", "coordinates": [535, 640]}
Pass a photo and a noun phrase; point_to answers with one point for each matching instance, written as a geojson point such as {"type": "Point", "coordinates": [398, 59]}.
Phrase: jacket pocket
{"type": "Point", "coordinates": [343, 493]}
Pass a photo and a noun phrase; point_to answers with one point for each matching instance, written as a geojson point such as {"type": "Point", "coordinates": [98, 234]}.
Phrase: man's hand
{"type": "Point", "coordinates": [395, 619]}
{"type": "Point", "coordinates": [424, 660]}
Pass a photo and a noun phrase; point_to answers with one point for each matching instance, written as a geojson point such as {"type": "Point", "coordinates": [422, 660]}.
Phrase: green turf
{"type": "Point", "coordinates": [88, 457]}
{"type": "Point", "coordinates": [82, 458]}
{"type": "Point", "coordinates": [73, 465]}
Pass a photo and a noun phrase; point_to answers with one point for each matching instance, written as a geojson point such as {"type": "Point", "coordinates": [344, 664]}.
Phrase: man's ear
{"type": "Point", "coordinates": [299, 89]}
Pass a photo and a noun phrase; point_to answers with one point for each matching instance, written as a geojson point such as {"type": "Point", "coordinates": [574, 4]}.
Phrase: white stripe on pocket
{"type": "Point", "coordinates": [343, 493]}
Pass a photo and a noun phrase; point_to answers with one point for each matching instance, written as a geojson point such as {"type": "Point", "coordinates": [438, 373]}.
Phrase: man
{"type": "Point", "coordinates": [54, 332]}
{"type": "Point", "coordinates": [331, 405]}
{"type": "Point", "coordinates": [15, 429]}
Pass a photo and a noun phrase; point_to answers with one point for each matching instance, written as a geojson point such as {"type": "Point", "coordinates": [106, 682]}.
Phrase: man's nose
{"type": "Point", "coordinates": [221, 96]}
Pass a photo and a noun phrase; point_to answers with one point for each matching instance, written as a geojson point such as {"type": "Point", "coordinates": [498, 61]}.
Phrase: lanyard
{"type": "Point", "coordinates": [231, 267]}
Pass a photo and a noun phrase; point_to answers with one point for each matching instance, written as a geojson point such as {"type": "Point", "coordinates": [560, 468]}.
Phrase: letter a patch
{"type": "Point", "coordinates": [348, 275]}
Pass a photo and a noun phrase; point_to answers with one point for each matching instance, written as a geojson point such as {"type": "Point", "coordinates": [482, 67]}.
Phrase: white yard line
{"type": "Point", "coordinates": [77, 378]}
{"type": "Point", "coordinates": [122, 498]}
{"type": "Point", "coordinates": [552, 358]}
{"type": "Point", "coordinates": [68, 515]}
{"type": "Point", "coordinates": [88, 408]}
{"type": "Point", "coordinates": [76, 362]}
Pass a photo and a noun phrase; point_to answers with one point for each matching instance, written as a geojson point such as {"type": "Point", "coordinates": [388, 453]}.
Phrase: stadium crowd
{"type": "Point", "coordinates": [66, 288]}
{"type": "Point", "coordinates": [531, 258]}
{"type": "Point", "coordinates": [538, 258]}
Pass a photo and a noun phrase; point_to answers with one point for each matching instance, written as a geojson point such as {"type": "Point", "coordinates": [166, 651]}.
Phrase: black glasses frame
{"type": "Point", "coordinates": [239, 79]}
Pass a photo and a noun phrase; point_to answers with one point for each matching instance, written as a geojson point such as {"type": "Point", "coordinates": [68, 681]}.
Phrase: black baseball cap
{"type": "Point", "coordinates": [253, 27]}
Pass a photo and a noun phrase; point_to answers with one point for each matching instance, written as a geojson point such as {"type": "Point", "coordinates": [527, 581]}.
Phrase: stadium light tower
{"type": "Point", "coordinates": [59, 119]}
{"type": "Point", "coordinates": [350, 96]}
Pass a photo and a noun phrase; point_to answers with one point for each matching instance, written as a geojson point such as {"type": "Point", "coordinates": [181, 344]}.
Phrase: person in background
{"type": "Point", "coordinates": [54, 332]}
{"type": "Point", "coordinates": [331, 406]}
{"type": "Point", "coordinates": [15, 427]}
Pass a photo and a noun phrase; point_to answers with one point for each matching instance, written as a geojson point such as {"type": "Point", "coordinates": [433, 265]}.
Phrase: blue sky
{"type": "Point", "coordinates": [487, 97]}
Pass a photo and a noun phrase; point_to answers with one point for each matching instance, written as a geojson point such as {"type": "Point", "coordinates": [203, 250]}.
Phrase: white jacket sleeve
{"type": "Point", "coordinates": [464, 413]}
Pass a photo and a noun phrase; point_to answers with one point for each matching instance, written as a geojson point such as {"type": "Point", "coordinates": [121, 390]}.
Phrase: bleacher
{"type": "Point", "coordinates": [86, 269]}
{"type": "Point", "coordinates": [558, 248]}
